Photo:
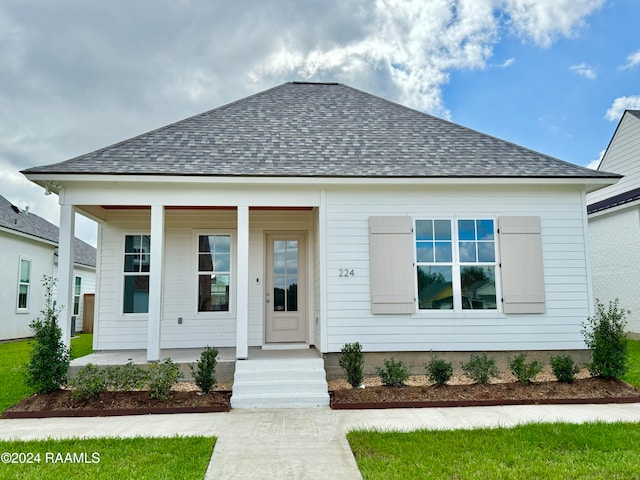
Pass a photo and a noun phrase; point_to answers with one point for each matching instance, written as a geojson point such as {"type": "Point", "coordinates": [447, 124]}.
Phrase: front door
{"type": "Point", "coordinates": [286, 305]}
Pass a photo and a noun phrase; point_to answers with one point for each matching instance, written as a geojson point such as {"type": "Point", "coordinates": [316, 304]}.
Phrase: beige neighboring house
{"type": "Point", "coordinates": [614, 222]}
{"type": "Point", "coordinates": [29, 250]}
{"type": "Point", "coordinates": [315, 214]}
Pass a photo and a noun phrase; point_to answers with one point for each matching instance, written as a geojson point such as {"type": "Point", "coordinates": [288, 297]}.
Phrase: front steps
{"type": "Point", "coordinates": [280, 383]}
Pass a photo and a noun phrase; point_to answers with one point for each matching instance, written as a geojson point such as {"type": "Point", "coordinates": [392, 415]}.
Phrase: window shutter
{"type": "Point", "coordinates": [391, 265]}
{"type": "Point", "coordinates": [521, 265]}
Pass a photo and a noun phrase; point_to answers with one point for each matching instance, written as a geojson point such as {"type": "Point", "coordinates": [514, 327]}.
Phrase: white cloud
{"type": "Point", "coordinates": [594, 164]}
{"type": "Point", "coordinates": [621, 104]}
{"type": "Point", "coordinates": [584, 70]}
{"type": "Point", "coordinates": [507, 63]}
{"type": "Point", "coordinates": [632, 61]}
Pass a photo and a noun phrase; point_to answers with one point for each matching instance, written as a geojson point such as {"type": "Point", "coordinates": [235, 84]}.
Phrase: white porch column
{"type": "Point", "coordinates": [155, 283]}
{"type": "Point", "coordinates": [242, 284]}
{"type": "Point", "coordinates": [65, 270]}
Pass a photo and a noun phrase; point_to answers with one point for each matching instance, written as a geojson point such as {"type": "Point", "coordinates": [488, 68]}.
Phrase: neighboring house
{"type": "Point", "coordinates": [28, 250]}
{"type": "Point", "coordinates": [614, 222]}
{"type": "Point", "coordinates": [314, 214]}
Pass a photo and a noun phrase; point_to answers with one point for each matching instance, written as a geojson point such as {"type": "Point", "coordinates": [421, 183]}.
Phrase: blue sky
{"type": "Point", "coordinates": [551, 75]}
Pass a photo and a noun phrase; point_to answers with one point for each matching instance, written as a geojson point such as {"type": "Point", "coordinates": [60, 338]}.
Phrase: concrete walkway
{"type": "Point", "coordinates": [302, 443]}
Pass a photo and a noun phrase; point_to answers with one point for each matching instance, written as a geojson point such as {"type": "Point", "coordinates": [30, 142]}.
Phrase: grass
{"type": "Point", "coordinates": [536, 451]}
{"type": "Point", "coordinates": [148, 458]}
{"type": "Point", "coordinates": [13, 355]}
{"type": "Point", "coordinates": [633, 363]}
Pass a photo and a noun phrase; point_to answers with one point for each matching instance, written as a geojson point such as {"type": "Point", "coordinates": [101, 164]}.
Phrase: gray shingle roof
{"type": "Point", "coordinates": [317, 130]}
{"type": "Point", "coordinates": [12, 218]}
{"type": "Point", "coordinates": [635, 113]}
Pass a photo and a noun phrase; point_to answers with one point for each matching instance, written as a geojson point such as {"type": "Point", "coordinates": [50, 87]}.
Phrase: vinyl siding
{"type": "Point", "coordinates": [564, 260]}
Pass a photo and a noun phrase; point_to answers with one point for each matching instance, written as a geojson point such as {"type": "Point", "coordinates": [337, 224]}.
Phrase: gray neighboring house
{"type": "Point", "coordinates": [315, 214]}
{"type": "Point", "coordinates": [614, 222]}
{"type": "Point", "coordinates": [29, 250]}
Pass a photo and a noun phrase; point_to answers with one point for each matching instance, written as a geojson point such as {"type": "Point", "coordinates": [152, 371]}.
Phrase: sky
{"type": "Point", "coordinates": [551, 75]}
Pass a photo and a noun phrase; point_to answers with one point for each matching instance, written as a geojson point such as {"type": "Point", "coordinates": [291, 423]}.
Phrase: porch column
{"type": "Point", "coordinates": [65, 270]}
{"type": "Point", "coordinates": [155, 283]}
{"type": "Point", "coordinates": [242, 284]}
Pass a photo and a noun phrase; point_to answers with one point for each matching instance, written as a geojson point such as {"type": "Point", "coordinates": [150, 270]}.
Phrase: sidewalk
{"type": "Point", "coordinates": [302, 443]}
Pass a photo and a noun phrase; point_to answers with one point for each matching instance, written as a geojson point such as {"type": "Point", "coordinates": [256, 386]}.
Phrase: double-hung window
{"type": "Point", "coordinates": [77, 295]}
{"type": "Point", "coordinates": [137, 256]}
{"type": "Point", "coordinates": [214, 272]}
{"type": "Point", "coordinates": [456, 264]}
{"type": "Point", "coordinates": [24, 285]}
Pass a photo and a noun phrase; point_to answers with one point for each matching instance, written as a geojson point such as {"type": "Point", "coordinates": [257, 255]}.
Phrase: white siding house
{"type": "Point", "coordinates": [614, 222]}
{"type": "Point", "coordinates": [28, 251]}
{"type": "Point", "coordinates": [314, 215]}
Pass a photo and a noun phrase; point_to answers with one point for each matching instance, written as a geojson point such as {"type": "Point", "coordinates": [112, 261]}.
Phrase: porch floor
{"type": "Point", "coordinates": [189, 355]}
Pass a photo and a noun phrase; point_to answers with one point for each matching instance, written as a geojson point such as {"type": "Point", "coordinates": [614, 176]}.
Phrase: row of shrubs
{"type": "Point", "coordinates": [479, 368]}
{"type": "Point", "coordinates": [157, 378]}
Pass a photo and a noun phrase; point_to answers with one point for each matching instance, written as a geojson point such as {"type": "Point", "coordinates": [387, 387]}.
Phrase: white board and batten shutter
{"type": "Point", "coordinates": [521, 265]}
{"type": "Point", "coordinates": [391, 265]}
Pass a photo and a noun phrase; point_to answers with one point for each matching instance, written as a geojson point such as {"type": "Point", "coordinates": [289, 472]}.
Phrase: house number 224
{"type": "Point", "coordinates": [346, 272]}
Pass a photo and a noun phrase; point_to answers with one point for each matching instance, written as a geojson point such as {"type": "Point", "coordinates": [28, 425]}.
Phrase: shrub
{"type": "Point", "coordinates": [604, 334]}
{"type": "Point", "coordinates": [439, 371]}
{"type": "Point", "coordinates": [564, 368]}
{"type": "Point", "coordinates": [126, 377]}
{"type": "Point", "coordinates": [394, 374]}
{"type": "Point", "coordinates": [480, 368]}
{"type": "Point", "coordinates": [162, 376]}
{"type": "Point", "coordinates": [204, 373]}
{"type": "Point", "coordinates": [523, 371]}
{"type": "Point", "coordinates": [89, 383]}
{"type": "Point", "coordinates": [352, 363]}
{"type": "Point", "coordinates": [48, 362]}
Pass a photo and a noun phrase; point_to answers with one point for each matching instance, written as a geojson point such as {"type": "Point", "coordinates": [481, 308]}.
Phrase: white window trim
{"type": "Point", "coordinates": [19, 283]}
{"type": "Point", "coordinates": [129, 316]}
{"type": "Point", "coordinates": [457, 309]}
{"type": "Point", "coordinates": [79, 295]}
{"type": "Point", "coordinates": [233, 288]}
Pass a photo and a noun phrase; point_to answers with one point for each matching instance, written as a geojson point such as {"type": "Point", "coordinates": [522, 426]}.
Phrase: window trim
{"type": "Point", "coordinates": [195, 250]}
{"type": "Point", "coordinates": [456, 264]}
{"type": "Point", "coordinates": [123, 274]}
{"type": "Point", "coordinates": [22, 258]}
{"type": "Point", "coordinates": [78, 295]}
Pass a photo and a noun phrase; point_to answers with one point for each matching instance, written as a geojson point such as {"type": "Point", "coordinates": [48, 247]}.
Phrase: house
{"type": "Point", "coordinates": [28, 250]}
{"type": "Point", "coordinates": [314, 214]}
{"type": "Point", "coordinates": [614, 223]}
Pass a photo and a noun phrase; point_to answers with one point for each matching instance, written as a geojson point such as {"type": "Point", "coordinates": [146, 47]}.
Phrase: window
{"type": "Point", "coordinates": [137, 249]}
{"type": "Point", "coordinates": [455, 264]}
{"type": "Point", "coordinates": [214, 272]}
{"type": "Point", "coordinates": [77, 291]}
{"type": "Point", "coordinates": [24, 284]}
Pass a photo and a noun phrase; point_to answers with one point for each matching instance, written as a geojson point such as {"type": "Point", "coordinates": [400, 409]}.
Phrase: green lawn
{"type": "Point", "coordinates": [148, 458]}
{"type": "Point", "coordinates": [633, 363]}
{"type": "Point", "coordinates": [537, 451]}
{"type": "Point", "coordinates": [13, 355]}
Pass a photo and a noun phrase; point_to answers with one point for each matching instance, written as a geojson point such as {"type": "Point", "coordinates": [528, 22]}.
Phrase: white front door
{"type": "Point", "coordinates": [286, 305]}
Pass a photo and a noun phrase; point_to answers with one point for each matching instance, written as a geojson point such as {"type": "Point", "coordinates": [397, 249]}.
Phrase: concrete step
{"type": "Point", "coordinates": [280, 383]}
{"type": "Point", "coordinates": [300, 400]}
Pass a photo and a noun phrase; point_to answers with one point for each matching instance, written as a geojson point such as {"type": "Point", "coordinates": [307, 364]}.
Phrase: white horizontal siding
{"type": "Point", "coordinates": [564, 257]}
{"type": "Point", "coordinates": [622, 157]}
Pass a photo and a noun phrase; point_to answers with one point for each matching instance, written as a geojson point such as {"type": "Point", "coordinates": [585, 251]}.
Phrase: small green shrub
{"type": "Point", "coordinates": [604, 334]}
{"type": "Point", "coordinates": [89, 383]}
{"type": "Point", "coordinates": [480, 368]}
{"type": "Point", "coordinates": [352, 363]}
{"type": "Point", "coordinates": [125, 377]}
{"type": "Point", "coordinates": [204, 374]}
{"type": "Point", "coordinates": [439, 371]}
{"type": "Point", "coordinates": [162, 376]}
{"type": "Point", "coordinates": [523, 371]}
{"type": "Point", "coordinates": [48, 362]}
{"type": "Point", "coordinates": [394, 373]}
{"type": "Point", "coordinates": [564, 368]}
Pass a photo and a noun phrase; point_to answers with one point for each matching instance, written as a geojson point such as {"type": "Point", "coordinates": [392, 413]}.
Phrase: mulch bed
{"type": "Point", "coordinates": [589, 390]}
{"type": "Point", "coordinates": [60, 404]}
